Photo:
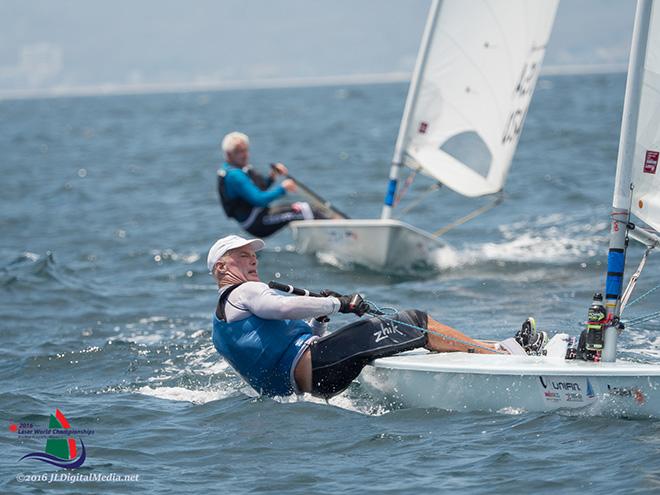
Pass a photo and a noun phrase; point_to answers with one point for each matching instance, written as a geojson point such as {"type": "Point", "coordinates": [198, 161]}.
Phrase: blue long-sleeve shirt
{"type": "Point", "coordinates": [239, 185]}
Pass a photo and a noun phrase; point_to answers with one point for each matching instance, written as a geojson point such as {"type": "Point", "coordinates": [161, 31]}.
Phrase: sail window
{"type": "Point", "coordinates": [468, 148]}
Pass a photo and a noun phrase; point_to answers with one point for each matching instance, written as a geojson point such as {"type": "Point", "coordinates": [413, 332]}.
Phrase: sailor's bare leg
{"type": "Point", "coordinates": [440, 344]}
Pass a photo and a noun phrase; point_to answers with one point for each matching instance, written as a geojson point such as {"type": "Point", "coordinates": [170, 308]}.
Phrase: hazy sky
{"type": "Point", "coordinates": [90, 42]}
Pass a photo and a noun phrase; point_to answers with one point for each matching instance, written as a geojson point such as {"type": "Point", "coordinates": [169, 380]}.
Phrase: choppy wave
{"type": "Point", "coordinates": [31, 269]}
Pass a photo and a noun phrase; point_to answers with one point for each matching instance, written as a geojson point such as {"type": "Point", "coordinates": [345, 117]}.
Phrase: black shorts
{"type": "Point", "coordinates": [338, 358]}
{"type": "Point", "coordinates": [270, 220]}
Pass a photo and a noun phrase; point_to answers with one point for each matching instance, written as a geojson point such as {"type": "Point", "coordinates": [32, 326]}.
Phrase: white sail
{"type": "Point", "coordinates": [645, 168]}
{"type": "Point", "coordinates": [473, 83]}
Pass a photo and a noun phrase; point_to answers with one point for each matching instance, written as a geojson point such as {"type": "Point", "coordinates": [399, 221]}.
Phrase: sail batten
{"type": "Point", "coordinates": [471, 88]}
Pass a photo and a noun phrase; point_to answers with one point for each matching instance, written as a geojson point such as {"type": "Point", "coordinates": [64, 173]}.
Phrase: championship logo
{"type": "Point", "coordinates": [61, 447]}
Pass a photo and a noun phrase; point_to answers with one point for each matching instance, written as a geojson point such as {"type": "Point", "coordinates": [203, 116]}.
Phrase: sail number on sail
{"type": "Point", "coordinates": [524, 88]}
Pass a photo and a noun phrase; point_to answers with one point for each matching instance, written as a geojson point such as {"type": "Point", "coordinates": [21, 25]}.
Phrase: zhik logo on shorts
{"type": "Point", "coordinates": [386, 331]}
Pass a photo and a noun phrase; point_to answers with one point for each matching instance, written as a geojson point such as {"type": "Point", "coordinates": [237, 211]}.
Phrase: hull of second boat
{"type": "Point", "coordinates": [387, 245]}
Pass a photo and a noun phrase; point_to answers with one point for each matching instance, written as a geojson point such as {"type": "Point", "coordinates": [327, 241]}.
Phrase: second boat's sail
{"type": "Point", "coordinates": [472, 86]}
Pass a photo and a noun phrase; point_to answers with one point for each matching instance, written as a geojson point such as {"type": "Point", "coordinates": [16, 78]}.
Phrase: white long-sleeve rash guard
{"type": "Point", "coordinates": [256, 298]}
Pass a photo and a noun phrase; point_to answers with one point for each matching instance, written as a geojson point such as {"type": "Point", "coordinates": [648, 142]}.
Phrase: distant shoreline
{"type": "Point", "coordinates": [275, 83]}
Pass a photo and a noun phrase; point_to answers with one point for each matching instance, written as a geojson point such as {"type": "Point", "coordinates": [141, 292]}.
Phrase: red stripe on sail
{"type": "Point", "coordinates": [60, 417]}
{"type": "Point", "coordinates": [73, 450]}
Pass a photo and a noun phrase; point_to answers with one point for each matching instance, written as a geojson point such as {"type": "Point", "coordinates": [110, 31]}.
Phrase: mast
{"type": "Point", "coordinates": [623, 182]}
{"type": "Point", "coordinates": [397, 159]}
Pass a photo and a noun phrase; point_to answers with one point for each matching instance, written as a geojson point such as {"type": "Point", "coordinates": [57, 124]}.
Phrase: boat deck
{"type": "Point", "coordinates": [460, 362]}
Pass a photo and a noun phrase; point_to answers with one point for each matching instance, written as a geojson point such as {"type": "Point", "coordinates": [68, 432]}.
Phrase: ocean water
{"type": "Point", "coordinates": [108, 207]}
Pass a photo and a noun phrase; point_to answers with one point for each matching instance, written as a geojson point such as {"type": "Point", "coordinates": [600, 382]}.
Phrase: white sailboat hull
{"type": "Point", "coordinates": [475, 382]}
{"type": "Point", "coordinates": [379, 244]}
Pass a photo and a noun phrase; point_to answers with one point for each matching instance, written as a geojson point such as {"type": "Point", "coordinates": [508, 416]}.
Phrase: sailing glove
{"type": "Point", "coordinates": [348, 304]}
{"type": "Point", "coordinates": [353, 303]}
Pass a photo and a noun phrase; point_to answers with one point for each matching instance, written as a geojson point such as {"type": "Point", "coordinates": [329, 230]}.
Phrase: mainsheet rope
{"type": "Point", "coordinates": [642, 319]}
{"type": "Point", "coordinates": [650, 291]}
{"type": "Point", "coordinates": [384, 312]}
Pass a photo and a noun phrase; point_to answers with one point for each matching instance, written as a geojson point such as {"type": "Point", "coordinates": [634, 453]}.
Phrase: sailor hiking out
{"type": "Point", "coordinates": [279, 343]}
{"type": "Point", "coordinates": [246, 195]}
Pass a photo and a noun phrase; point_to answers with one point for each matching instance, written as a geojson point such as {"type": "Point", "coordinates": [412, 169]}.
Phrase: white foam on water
{"type": "Point", "coordinates": [447, 257]}
{"type": "Point", "coordinates": [330, 259]}
{"type": "Point", "coordinates": [160, 256]}
{"type": "Point", "coordinates": [205, 361]}
{"type": "Point", "coordinates": [548, 239]}
{"type": "Point", "coordinates": [648, 342]}
{"type": "Point", "coordinates": [152, 319]}
{"type": "Point", "coordinates": [342, 401]}
{"type": "Point", "coordinates": [31, 256]}
{"type": "Point", "coordinates": [367, 408]}
{"type": "Point", "coordinates": [185, 395]}
{"type": "Point", "coordinates": [199, 362]}
{"type": "Point", "coordinates": [530, 247]}
{"type": "Point", "coordinates": [148, 339]}
{"type": "Point", "coordinates": [512, 411]}
{"type": "Point", "coordinates": [212, 368]}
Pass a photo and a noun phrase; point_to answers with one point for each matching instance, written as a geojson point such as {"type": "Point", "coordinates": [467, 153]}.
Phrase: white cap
{"type": "Point", "coordinates": [228, 243]}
